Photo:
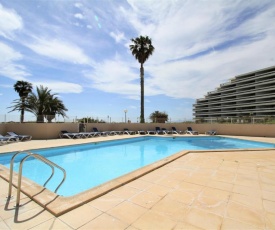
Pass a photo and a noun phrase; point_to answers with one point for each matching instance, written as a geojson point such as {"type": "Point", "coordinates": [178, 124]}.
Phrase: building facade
{"type": "Point", "coordinates": [247, 95]}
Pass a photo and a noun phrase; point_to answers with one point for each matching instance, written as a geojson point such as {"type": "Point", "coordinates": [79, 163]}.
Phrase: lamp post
{"type": "Point", "coordinates": [125, 111]}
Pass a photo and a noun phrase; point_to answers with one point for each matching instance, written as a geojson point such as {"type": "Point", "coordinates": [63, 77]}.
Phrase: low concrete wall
{"type": "Point", "coordinates": [51, 130]}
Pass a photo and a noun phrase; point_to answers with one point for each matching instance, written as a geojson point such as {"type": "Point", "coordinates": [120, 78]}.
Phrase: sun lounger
{"type": "Point", "coordinates": [117, 132]}
{"type": "Point", "coordinates": [151, 132]}
{"type": "Point", "coordinates": [211, 132]}
{"type": "Point", "coordinates": [105, 133]}
{"type": "Point", "coordinates": [175, 131]}
{"type": "Point", "coordinates": [191, 131]}
{"type": "Point", "coordinates": [129, 132]}
{"type": "Point", "coordinates": [66, 134]}
{"type": "Point", "coordinates": [20, 137]}
{"type": "Point", "coordinates": [141, 132]}
{"type": "Point", "coordinates": [159, 131]}
{"type": "Point", "coordinates": [167, 131]}
{"type": "Point", "coordinates": [8, 138]}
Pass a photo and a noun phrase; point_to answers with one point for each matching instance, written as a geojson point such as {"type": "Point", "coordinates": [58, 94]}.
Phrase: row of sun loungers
{"type": "Point", "coordinates": [13, 137]}
{"type": "Point", "coordinates": [95, 132]}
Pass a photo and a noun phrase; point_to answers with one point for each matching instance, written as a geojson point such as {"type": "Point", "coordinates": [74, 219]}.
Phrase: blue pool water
{"type": "Point", "coordinates": [89, 165]}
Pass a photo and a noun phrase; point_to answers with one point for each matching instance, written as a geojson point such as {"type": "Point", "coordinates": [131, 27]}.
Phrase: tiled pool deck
{"type": "Point", "coordinates": [213, 190]}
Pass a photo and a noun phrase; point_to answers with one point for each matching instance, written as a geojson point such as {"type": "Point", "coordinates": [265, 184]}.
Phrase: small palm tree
{"type": "Point", "coordinates": [141, 50]}
{"type": "Point", "coordinates": [54, 107]}
{"type": "Point", "coordinates": [158, 117]}
{"type": "Point", "coordinates": [23, 88]}
{"type": "Point", "coordinates": [45, 104]}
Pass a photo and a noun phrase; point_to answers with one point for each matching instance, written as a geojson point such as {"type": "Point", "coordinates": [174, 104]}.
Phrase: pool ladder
{"type": "Point", "coordinates": [38, 157]}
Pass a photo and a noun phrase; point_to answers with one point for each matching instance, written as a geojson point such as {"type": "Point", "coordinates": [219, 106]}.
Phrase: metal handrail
{"type": "Point", "coordinates": [38, 157]}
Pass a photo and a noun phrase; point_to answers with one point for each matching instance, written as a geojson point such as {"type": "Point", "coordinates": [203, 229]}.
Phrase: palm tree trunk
{"type": "Point", "coordinates": [22, 110]}
{"type": "Point", "coordinates": [141, 93]}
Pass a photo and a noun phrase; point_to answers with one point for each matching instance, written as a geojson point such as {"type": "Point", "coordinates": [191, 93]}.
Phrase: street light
{"type": "Point", "coordinates": [125, 111]}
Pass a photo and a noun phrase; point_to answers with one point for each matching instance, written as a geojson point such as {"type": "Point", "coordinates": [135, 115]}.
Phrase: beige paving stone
{"type": "Point", "coordinates": [4, 187]}
{"type": "Point", "coordinates": [240, 189]}
{"type": "Point", "coordinates": [106, 202]}
{"type": "Point", "coordinates": [186, 226]}
{"type": "Point", "coordinates": [229, 224]}
{"type": "Point", "coordinates": [211, 205]}
{"type": "Point", "coordinates": [253, 171]}
{"type": "Point", "coordinates": [203, 219]}
{"type": "Point", "coordinates": [230, 164]}
{"type": "Point", "coordinates": [267, 187]}
{"type": "Point", "coordinates": [154, 220]}
{"type": "Point", "coordinates": [28, 219]}
{"type": "Point", "coordinates": [267, 169]}
{"type": "Point", "coordinates": [270, 220]}
{"type": "Point", "coordinates": [224, 176]}
{"type": "Point", "coordinates": [179, 164]}
{"type": "Point", "coordinates": [211, 164]}
{"type": "Point", "coordinates": [248, 166]}
{"type": "Point", "coordinates": [53, 223]}
{"type": "Point", "coordinates": [249, 182]}
{"type": "Point", "coordinates": [158, 190]}
{"type": "Point", "coordinates": [168, 182]}
{"type": "Point", "coordinates": [127, 212]}
{"type": "Point", "coordinates": [176, 211]}
{"type": "Point", "coordinates": [105, 222]}
{"type": "Point", "coordinates": [3, 196]}
{"type": "Point", "coordinates": [190, 187]}
{"type": "Point", "coordinates": [3, 225]}
{"type": "Point", "coordinates": [204, 172]}
{"type": "Point", "coordinates": [131, 228]}
{"type": "Point", "coordinates": [217, 193]}
{"type": "Point", "coordinates": [220, 185]}
{"type": "Point", "coordinates": [139, 184]}
{"type": "Point", "coordinates": [80, 216]}
{"type": "Point", "coordinates": [179, 174]}
{"type": "Point", "coordinates": [199, 180]}
{"type": "Point", "coordinates": [268, 195]}
{"type": "Point", "coordinates": [269, 206]}
{"type": "Point", "coordinates": [153, 176]}
{"type": "Point", "coordinates": [125, 192]}
{"type": "Point", "coordinates": [254, 202]}
{"type": "Point", "coordinates": [145, 199]}
{"type": "Point", "coordinates": [268, 178]}
{"type": "Point", "coordinates": [9, 210]}
{"type": "Point", "coordinates": [245, 214]}
{"type": "Point", "coordinates": [182, 196]}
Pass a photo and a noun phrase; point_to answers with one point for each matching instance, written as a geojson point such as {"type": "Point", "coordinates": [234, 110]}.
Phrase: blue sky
{"type": "Point", "coordinates": [80, 50]}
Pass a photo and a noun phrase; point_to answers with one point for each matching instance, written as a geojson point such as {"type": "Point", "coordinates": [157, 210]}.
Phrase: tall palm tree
{"type": "Point", "coordinates": [45, 103]}
{"type": "Point", "coordinates": [141, 49]}
{"type": "Point", "coordinates": [23, 88]}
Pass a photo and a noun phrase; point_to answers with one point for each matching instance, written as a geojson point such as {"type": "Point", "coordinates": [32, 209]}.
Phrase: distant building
{"type": "Point", "coordinates": [246, 95]}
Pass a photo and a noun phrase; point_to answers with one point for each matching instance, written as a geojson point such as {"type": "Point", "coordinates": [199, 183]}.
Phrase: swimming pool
{"type": "Point", "coordinates": [89, 165]}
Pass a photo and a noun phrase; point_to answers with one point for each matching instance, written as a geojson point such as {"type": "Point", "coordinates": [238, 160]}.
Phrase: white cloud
{"type": "Point", "coordinates": [8, 63]}
{"type": "Point", "coordinates": [180, 29]}
{"type": "Point", "coordinates": [60, 50]}
{"type": "Point", "coordinates": [10, 22]}
{"type": "Point", "coordinates": [114, 76]}
{"type": "Point", "coordinates": [194, 78]}
{"type": "Point", "coordinates": [78, 5]}
{"type": "Point", "coordinates": [118, 36]}
{"type": "Point", "coordinates": [79, 16]}
{"type": "Point", "coordinates": [60, 86]}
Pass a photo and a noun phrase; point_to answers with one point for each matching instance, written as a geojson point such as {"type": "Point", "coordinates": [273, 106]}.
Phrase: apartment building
{"type": "Point", "coordinates": [251, 94]}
